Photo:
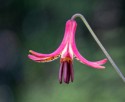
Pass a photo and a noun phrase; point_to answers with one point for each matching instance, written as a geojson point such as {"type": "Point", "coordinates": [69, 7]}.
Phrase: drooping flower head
{"type": "Point", "coordinates": [67, 51]}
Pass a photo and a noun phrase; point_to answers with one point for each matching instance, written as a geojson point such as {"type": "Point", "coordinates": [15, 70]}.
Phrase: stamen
{"type": "Point", "coordinates": [66, 72]}
{"type": "Point", "coordinates": [61, 73]}
{"type": "Point", "coordinates": [71, 72]}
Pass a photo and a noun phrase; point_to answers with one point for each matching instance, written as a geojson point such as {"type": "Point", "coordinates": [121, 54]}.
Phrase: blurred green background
{"type": "Point", "coordinates": [39, 25]}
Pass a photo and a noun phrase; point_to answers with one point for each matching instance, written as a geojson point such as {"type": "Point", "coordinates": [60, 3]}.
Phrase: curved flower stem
{"type": "Point", "coordinates": [100, 44]}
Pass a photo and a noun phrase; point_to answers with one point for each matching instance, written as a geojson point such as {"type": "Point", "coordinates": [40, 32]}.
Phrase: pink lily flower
{"type": "Point", "coordinates": [67, 51]}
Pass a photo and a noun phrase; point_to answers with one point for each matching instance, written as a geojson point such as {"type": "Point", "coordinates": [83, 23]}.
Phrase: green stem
{"type": "Point", "coordinates": [100, 45]}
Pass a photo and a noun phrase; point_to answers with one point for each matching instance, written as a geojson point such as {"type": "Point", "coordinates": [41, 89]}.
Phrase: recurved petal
{"type": "Point", "coordinates": [79, 57]}
{"type": "Point", "coordinates": [62, 45]}
{"type": "Point", "coordinates": [103, 61]}
{"type": "Point", "coordinates": [56, 52]}
{"type": "Point", "coordinates": [45, 59]}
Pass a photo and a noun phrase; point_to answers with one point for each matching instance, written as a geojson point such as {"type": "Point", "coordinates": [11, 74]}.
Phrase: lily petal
{"type": "Point", "coordinates": [103, 61]}
{"type": "Point", "coordinates": [62, 45]}
{"type": "Point", "coordinates": [79, 57]}
{"type": "Point", "coordinates": [41, 55]}
{"type": "Point", "coordinates": [45, 59]}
